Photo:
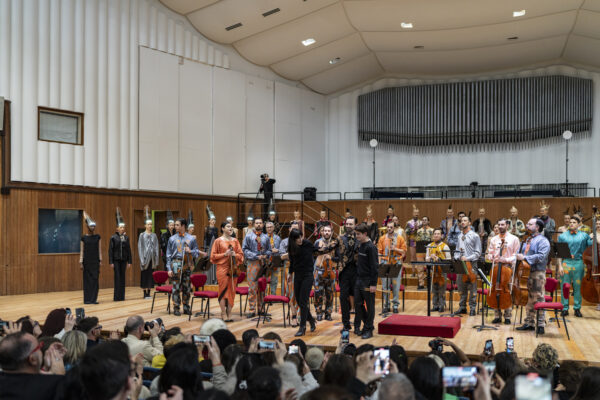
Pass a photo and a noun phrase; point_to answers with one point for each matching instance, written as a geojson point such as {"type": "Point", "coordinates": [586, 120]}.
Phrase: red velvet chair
{"type": "Point", "coordinates": [242, 290]}
{"type": "Point", "coordinates": [161, 277]}
{"type": "Point", "coordinates": [553, 306]}
{"type": "Point", "coordinates": [451, 287]}
{"type": "Point", "coordinates": [198, 282]}
{"type": "Point", "coordinates": [551, 286]}
{"type": "Point", "coordinates": [270, 299]}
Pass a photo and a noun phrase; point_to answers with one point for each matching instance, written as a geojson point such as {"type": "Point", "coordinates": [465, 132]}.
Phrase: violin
{"type": "Point", "coordinates": [500, 294]}
{"type": "Point", "coordinates": [591, 279]}
{"type": "Point", "coordinates": [438, 276]}
{"type": "Point", "coordinates": [327, 264]}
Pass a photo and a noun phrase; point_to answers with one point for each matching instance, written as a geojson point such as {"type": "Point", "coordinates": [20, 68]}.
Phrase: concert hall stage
{"type": "Point", "coordinates": [584, 344]}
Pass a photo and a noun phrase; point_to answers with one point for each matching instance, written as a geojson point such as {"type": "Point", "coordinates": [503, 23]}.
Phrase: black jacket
{"type": "Point", "coordinates": [267, 188]}
{"type": "Point", "coordinates": [487, 226]}
{"type": "Point", "coordinates": [368, 260]}
{"type": "Point", "coordinates": [119, 249]}
{"type": "Point", "coordinates": [302, 263]}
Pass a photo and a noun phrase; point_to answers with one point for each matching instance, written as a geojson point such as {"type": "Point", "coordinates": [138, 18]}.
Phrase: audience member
{"type": "Point", "coordinates": [338, 371]}
{"type": "Point", "coordinates": [148, 348]}
{"type": "Point", "coordinates": [301, 346]}
{"type": "Point", "coordinates": [55, 322]}
{"type": "Point", "coordinates": [264, 383]}
{"type": "Point", "coordinates": [395, 386]}
{"type": "Point", "coordinates": [30, 326]}
{"type": "Point", "coordinates": [92, 329]}
{"type": "Point", "coordinates": [75, 343]}
{"type": "Point", "coordinates": [589, 386]}
{"type": "Point", "coordinates": [212, 325]}
{"type": "Point", "coordinates": [314, 358]}
{"type": "Point", "coordinates": [247, 337]}
{"type": "Point", "coordinates": [328, 392]}
{"type": "Point", "coordinates": [424, 373]}
{"type": "Point", "coordinates": [183, 370]}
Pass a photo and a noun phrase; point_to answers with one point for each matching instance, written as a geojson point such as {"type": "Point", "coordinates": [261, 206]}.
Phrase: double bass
{"type": "Point", "coordinates": [500, 297]}
{"type": "Point", "coordinates": [520, 293]}
{"type": "Point", "coordinates": [591, 279]}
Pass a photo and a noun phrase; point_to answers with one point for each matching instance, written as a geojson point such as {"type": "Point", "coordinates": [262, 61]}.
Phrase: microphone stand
{"type": "Point", "coordinates": [485, 282]}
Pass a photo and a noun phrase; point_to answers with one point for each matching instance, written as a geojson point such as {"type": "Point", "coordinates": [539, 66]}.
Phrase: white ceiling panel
{"type": "Point", "coordinates": [317, 60]}
{"type": "Point", "coordinates": [386, 15]}
{"type": "Point", "coordinates": [340, 77]}
{"type": "Point", "coordinates": [583, 50]}
{"type": "Point", "coordinates": [465, 38]}
{"type": "Point", "coordinates": [285, 41]}
{"type": "Point", "coordinates": [187, 6]}
{"type": "Point", "coordinates": [473, 60]}
{"type": "Point", "coordinates": [588, 24]}
{"type": "Point", "coordinates": [249, 13]}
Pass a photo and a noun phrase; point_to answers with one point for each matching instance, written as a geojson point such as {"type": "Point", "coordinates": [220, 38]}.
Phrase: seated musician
{"type": "Point", "coordinates": [503, 249]}
{"type": "Point", "coordinates": [391, 248]}
{"type": "Point", "coordinates": [438, 250]}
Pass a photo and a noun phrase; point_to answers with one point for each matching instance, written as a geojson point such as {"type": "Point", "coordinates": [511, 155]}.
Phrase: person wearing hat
{"type": "Point", "coordinates": [323, 221]}
{"type": "Point", "coordinates": [549, 224]}
{"type": "Point", "coordinates": [165, 236]}
{"type": "Point", "coordinates": [191, 227]}
{"type": "Point", "coordinates": [250, 226]}
{"type": "Point", "coordinates": [389, 216]}
{"type": "Point", "coordinates": [148, 252]}
{"type": "Point", "coordinates": [347, 214]}
{"type": "Point", "coordinates": [119, 256]}
{"type": "Point", "coordinates": [235, 230]}
{"type": "Point", "coordinates": [273, 217]}
{"type": "Point", "coordinates": [450, 228]}
{"type": "Point", "coordinates": [515, 225]}
{"type": "Point", "coordinates": [90, 258]}
{"type": "Point", "coordinates": [211, 233]}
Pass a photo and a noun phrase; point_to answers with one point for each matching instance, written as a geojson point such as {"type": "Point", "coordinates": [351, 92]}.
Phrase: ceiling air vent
{"type": "Point", "coordinates": [231, 27]}
{"type": "Point", "coordinates": [271, 12]}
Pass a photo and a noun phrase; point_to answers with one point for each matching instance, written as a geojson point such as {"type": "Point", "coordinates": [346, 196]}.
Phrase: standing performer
{"type": "Point", "coordinates": [301, 265]}
{"type": "Point", "coordinates": [235, 230]}
{"type": "Point", "coordinates": [273, 217]}
{"type": "Point", "coordinates": [502, 250]}
{"type": "Point", "coordinates": [289, 283]}
{"type": "Point", "coordinates": [566, 222]}
{"type": "Point", "coordinates": [347, 214]}
{"type": "Point", "coordinates": [191, 227]}
{"type": "Point", "coordinates": [266, 188]}
{"type": "Point", "coordinates": [425, 233]}
{"type": "Point", "coordinates": [119, 257]}
{"type": "Point", "coordinates": [324, 274]}
{"type": "Point", "coordinates": [582, 227]}
{"type": "Point", "coordinates": [323, 221]}
{"type": "Point", "coordinates": [250, 226]}
{"type": "Point", "coordinates": [535, 252]}
{"type": "Point", "coordinates": [389, 216]}
{"type": "Point", "coordinates": [366, 283]}
{"type": "Point", "coordinates": [256, 249]}
{"type": "Point", "coordinates": [391, 249]}
{"type": "Point", "coordinates": [227, 255]}
{"type": "Point", "coordinates": [515, 225]}
{"type": "Point", "coordinates": [549, 224]}
{"type": "Point", "coordinates": [90, 258]}
{"type": "Point", "coordinates": [412, 226]}
{"type": "Point", "coordinates": [483, 227]}
{"type": "Point", "coordinates": [468, 250]}
{"type": "Point", "coordinates": [450, 228]}
{"type": "Point", "coordinates": [372, 225]}
{"type": "Point", "coordinates": [181, 251]}
{"type": "Point", "coordinates": [298, 220]}
{"type": "Point", "coordinates": [572, 269]}
{"type": "Point", "coordinates": [436, 251]}
{"type": "Point", "coordinates": [211, 232]}
{"type": "Point", "coordinates": [274, 242]}
{"type": "Point", "coordinates": [347, 273]}
{"type": "Point", "coordinates": [165, 236]}
{"type": "Point", "coordinates": [148, 252]}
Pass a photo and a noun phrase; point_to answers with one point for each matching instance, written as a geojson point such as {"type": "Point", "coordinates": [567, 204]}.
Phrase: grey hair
{"type": "Point", "coordinates": [396, 386]}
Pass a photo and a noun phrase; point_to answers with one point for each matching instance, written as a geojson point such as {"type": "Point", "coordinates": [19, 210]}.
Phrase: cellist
{"type": "Point", "coordinates": [468, 250]}
{"type": "Point", "coordinates": [438, 250]}
{"type": "Point", "coordinates": [502, 250]}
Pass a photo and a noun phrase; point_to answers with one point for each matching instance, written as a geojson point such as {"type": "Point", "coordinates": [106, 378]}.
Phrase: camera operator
{"type": "Point", "coordinates": [148, 348]}
{"type": "Point", "coordinates": [266, 188]}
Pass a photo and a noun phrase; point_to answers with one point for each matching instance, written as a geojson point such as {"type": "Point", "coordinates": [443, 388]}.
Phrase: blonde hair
{"type": "Point", "coordinates": [75, 343]}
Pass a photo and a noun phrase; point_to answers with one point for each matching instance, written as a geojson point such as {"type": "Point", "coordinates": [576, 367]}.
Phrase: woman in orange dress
{"type": "Point", "coordinates": [226, 255]}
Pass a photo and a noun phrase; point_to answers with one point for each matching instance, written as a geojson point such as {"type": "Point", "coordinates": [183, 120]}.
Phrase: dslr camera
{"type": "Point", "coordinates": [436, 345]}
{"type": "Point", "coordinates": [150, 324]}
{"type": "Point", "coordinates": [263, 177]}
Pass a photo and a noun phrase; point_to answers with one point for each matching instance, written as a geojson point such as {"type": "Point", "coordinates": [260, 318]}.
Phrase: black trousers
{"type": "Point", "coordinates": [120, 268]}
{"type": "Point", "coordinates": [90, 282]}
{"type": "Point", "coordinates": [362, 297]}
{"type": "Point", "coordinates": [302, 287]}
{"type": "Point", "coordinates": [347, 282]}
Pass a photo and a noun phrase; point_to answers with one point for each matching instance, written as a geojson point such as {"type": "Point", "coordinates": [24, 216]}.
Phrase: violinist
{"type": "Point", "coordinates": [391, 248]}
{"type": "Point", "coordinates": [274, 242]}
{"type": "Point", "coordinates": [438, 250]}
{"type": "Point", "coordinates": [226, 255]}
{"type": "Point", "coordinates": [256, 249]}
{"type": "Point", "coordinates": [468, 250]}
{"type": "Point", "coordinates": [535, 252]}
{"type": "Point", "coordinates": [412, 227]}
{"type": "Point", "coordinates": [324, 274]}
{"type": "Point", "coordinates": [502, 251]}
{"type": "Point", "coordinates": [571, 270]}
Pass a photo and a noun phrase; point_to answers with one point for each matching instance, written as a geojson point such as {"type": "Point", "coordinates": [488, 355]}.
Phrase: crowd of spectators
{"type": "Point", "coordinates": [70, 359]}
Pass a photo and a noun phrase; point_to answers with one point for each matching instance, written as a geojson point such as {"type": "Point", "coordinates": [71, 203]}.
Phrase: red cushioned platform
{"type": "Point", "coordinates": [416, 325]}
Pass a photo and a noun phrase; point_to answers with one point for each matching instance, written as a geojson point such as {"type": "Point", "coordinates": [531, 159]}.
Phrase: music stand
{"type": "Point", "coordinates": [388, 271]}
{"type": "Point", "coordinates": [484, 282]}
{"type": "Point", "coordinates": [459, 268]}
{"type": "Point", "coordinates": [456, 267]}
{"type": "Point", "coordinates": [429, 264]}
{"type": "Point", "coordinates": [449, 268]}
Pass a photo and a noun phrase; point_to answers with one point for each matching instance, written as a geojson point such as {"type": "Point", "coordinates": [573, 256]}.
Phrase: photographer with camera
{"type": "Point", "coordinates": [266, 188]}
{"type": "Point", "coordinates": [134, 328]}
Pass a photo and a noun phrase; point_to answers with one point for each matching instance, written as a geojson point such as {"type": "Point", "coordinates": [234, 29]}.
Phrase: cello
{"type": "Point", "coordinates": [591, 279]}
{"type": "Point", "coordinates": [500, 293]}
{"type": "Point", "coordinates": [520, 293]}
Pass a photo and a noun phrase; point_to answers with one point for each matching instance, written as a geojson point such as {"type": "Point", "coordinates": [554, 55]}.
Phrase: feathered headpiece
{"type": "Point", "coordinates": [391, 206]}
{"type": "Point", "coordinates": [415, 207]}
{"type": "Point", "coordinates": [348, 210]}
{"type": "Point", "coordinates": [450, 206]}
{"type": "Point", "coordinates": [513, 209]}
{"type": "Point", "coordinates": [119, 216]}
{"type": "Point", "coordinates": [209, 213]}
{"type": "Point", "coordinates": [88, 220]}
{"type": "Point", "coordinates": [544, 206]}
{"type": "Point", "coordinates": [369, 208]}
{"type": "Point", "coordinates": [147, 215]}
{"type": "Point", "coordinates": [170, 218]}
{"type": "Point", "coordinates": [566, 212]}
{"type": "Point", "coordinates": [190, 220]}
{"type": "Point", "coordinates": [579, 211]}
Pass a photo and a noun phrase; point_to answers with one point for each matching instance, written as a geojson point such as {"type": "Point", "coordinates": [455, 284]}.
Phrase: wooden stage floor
{"type": "Point", "coordinates": [584, 344]}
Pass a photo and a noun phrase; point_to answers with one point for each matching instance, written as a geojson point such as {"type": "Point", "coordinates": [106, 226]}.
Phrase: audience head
{"type": "Point", "coordinates": [264, 383]}
{"type": "Point", "coordinates": [349, 350]}
{"type": "Point", "coordinates": [182, 369]}
{"type": "Point", "coordinates": [301, 346]}
{"type": "Point", "coordinates": [224, 338]}
{"type": "Point", "coordinates": [545, 357]}
{"type": "Point", "coordinates": [171, 343]}
{"type": "Point", "coordinates": [55, 322]}
{"type": "Point", "coordinates": [338, 370]}
{"type": "Point", "coordinates": [230, 356]}
{"type": "Point", "coordinates": [589, 386]}
{"type": "Point", "coordinates": [246, 364]}
{"type": "Point", "coordinates": [507, 364]}
{"type": "Point", "coordinates": [30, 326]}
{"type": "Point", "coordinates": [424, 373]}
{"type": "Point", "coordinates": [49, 342]}
{"type": "Point", "coordinates": [75, 343]}
{"type": "Point", "coordinates": [106, 371]}
{"type": "Point", "coordinates": [214, 394]}
{"type": "Point", "coordinates": [314, 357]}
{"type": "Point", "coordinates": [247, 337]}
{"type": "Point", "coordinates": [212, 325]}
{"type": "Point", "coordinates": [90, 327]}
{"type": "Point", "coordinates": [398, 355]}
{"type": "Point", "coordinates": [569, 374]}
{"type": "Point", "coordinates": [328, 392]}
{"type": "Point", "coordinates": [396, 386]}
{"type": "Point", "coordinates": [272, 336]}
{"type": "Point", "coordinates": [135, 326]}
{"type": "Point", "coordinates": [21, 352]}
{"type": "Point", "coordinates": [169, 333]}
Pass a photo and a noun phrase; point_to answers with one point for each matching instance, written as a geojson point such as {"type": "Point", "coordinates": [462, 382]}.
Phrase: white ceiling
{"type": "Point", "coordinates": [458, 36]}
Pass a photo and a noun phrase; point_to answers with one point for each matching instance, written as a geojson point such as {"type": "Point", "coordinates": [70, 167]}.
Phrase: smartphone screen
{"type": "Point", "coordinates": [345, 336]}
{"type": "Point", "coordinates": [510, 345]}
{"type": "Point", "coordinates": [68, 311]}
{"type": "Point", "coordinates": [532, 387]}
{"type": "Point", "coordinates": [459, 377]}
{"type": "Point", "coordinates": [201, 339]}
{"type": "Point", "coordinates": [490, 367]}
{"type": "Point", "coordinates": [79, 314]}
{"type": "Point", "coordinates": [382, 361]}
{"type": "Point", "coordinates": [293, 349]}
{"type": "Point", "coordinates": [266, 344]}
{"type": "Point", "coordinates": [489, 345]}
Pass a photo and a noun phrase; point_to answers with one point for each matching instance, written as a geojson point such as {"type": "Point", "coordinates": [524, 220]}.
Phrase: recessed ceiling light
{"type": "Point", "coordinates": [406, 25]}
{"type": "Point", "coordinates": [513, 38]}
{"type": "Point", "coordinates": [309, 41]}
{"type": "Point", "coordinates": [335, 60]}
{"type": "Point", "coordinates": [519, 13]}
{"type": "Point", "coordinates": [419, 47]}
